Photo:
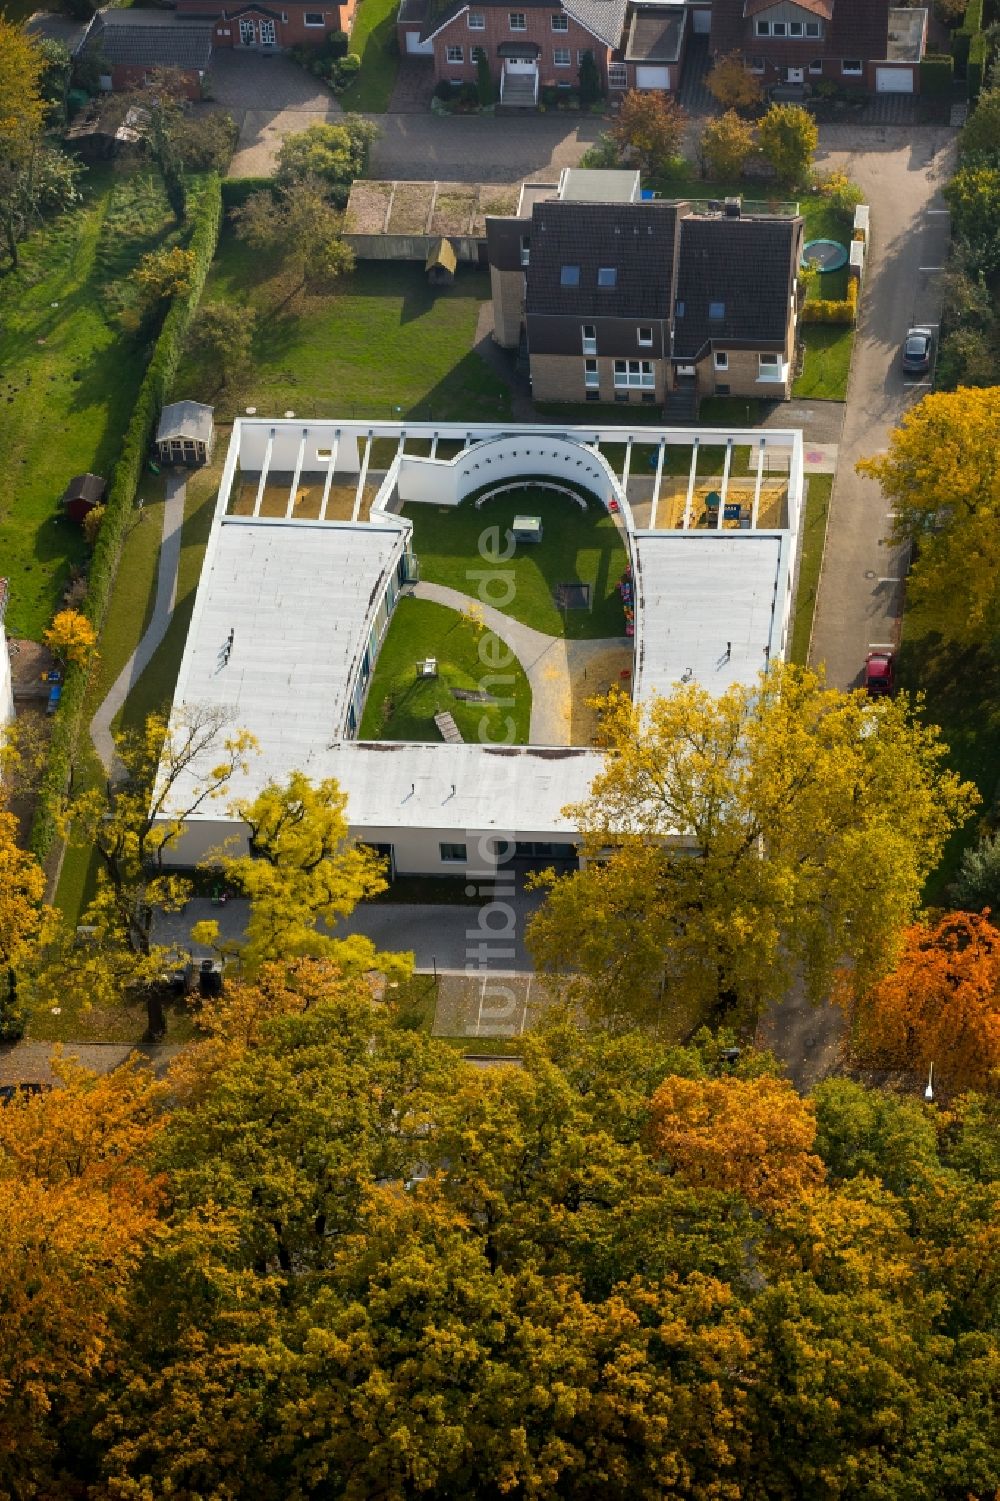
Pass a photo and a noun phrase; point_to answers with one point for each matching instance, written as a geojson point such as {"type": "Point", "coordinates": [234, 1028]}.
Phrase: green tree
{"type": "Point", "coordinates": [329, 155]}
{"type": "Point", "coordinates": [484, 80]}
{"type": "Point", "coordinates": [650, 128]}
{"type": "Point", "coordinates": [733, 838]}
{"type": "Point", "coordinates": [221, 340]}
{"type": "Point", "coordinates": [726, 143]}
{"type": "Point", "coordinates": [157, 111]}
{"type": "Point", "coordinates": [940, 477]}
{"type": "Point", "coordinates": [788, 138]}
{"type": "Point", "coordinates": [977, 885]}
{"type": "Point", "coordinates": [299, 226]}
{"type": "Point", "coordinates": [973, 196]}
{"type": "Point", "coordinates": [54, 82]}
{"type": "Point", "coordinates": [590, 79]}
{"type": "Point", "coordinates": [980, 135]}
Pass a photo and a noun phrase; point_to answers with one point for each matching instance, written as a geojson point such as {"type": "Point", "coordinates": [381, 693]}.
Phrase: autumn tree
{"type": "Point", "coordinates": [941, 478]}
{"type": "Point", "coordinates": [221, 339]}
{"type": "Point", "coordinates": [165, 774]}
{"type": "Point", "coordinates": [650, 127]}
{"type": "Point", "coordinates": [940, 1005]}
{"type": "Point", "coordinates": [24, 920]}
{"type": "Point", "coordinates": [24, 157]}
{"type": "Point", "coordinates": [732, 839]}
{"type": "Point", "coordinates": [71, 637]}
{"type": "Point", "coordinates": [973, 195]}
{"type": "Point", "coordinates": [979, 138]}
{"type": "Point", "coordinates": [300, 227]}
{"type": "Point", "coordinates": [788, 138]}
{"type": "Point", "coordinates": [726, 143]}
{"type": "Point", "coordinates": [163, 274]}
{"type": "Point", "coordinates": [302, 877]}
{"type": "Point", "coordinates": [732, 84]}
{"type": "Point", "coordinates": [330, 155]}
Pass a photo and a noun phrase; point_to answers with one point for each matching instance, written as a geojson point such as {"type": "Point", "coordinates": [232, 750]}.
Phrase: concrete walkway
{"type": "Point", "coordinates": [550, 662]}
{"type": "Point", "coordinates": [163, 609]}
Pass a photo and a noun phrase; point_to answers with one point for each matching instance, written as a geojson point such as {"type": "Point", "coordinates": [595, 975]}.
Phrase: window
{"type": "Point", "coordinates": [720, 389]}
{"type": "Point", "coordinates": [313, 18]}
{"type": "Point", "coordinates": [816, 66]}
{"type": "Point", "coordinates": [633, 373]}
{"type": "Point", "coordinates": [477, 21]}
{"type": "Point", "coordinates": [795, 28]}
{"type": "Point", "coordinates": [813, 28]}
{"type": "Point", "coordinates": [455, 54]}
{"type": "Point", "coordinates": [267, 33]}
{"type": "Point", "coordinates": [590, 338]}
{"type": "Point", "coordinates": [763, 28]}
{"type": "Point", "coordinates": [778, 28]}
{"type": "Point", "coordinates": [645, 336]}
{"type": "Point", "coordinates": [852, 65]}
{"type": "Point", "coordinates": [607, 277]}
{"type": "Point", "coordinates": [721, 360]}
{"type": "Point", "coordinates": [757, 65]}
{"type": "Point", "coordinates": [569, 276]}
{"type": "Point", "coordinates": [453, 853]}
{"type": "Point", "coordinates": [525, 242]}
{"type": "Point", "coordinates": [716, 311]}
{"type": "Point", "coordinates": [581, 55]}
{"type": "Point", "coordinates": [560, 22]}
{"type": "Point", "coordinates": [591, 377]}
{"type": "Point", "coordinates": [517, 21]}
{"type": "Point", "coordinates": [769, 367]}
{"type": "Point", "coordinates": [593, 395]}
{"type": "Point", "coordinates": [561, 57]}
{"type": "Point", "coordinates": [678, 310]}
{"type": "Point", "coordinates": [475, 53]}
{"type": "Point", "coordinates": [617, 76]}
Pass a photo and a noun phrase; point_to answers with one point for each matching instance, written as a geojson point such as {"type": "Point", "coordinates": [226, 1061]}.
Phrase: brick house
{"type": "Point", "coordinates": [540, 43]}
{"type": "Point", "coordinates": [633, 301]}
{"type": "Point", "coordinates": [267, 27]}
{"type": "Point", "coordinates": [867, 44]}
{"type": "Point", "coordinates": [133, 44]}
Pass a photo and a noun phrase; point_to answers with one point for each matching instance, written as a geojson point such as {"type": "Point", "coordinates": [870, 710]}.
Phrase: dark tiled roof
{"type": "Point", "coordinates": [859, 28]}
{"type": "Point", "coordinates": [636, 239]}
{"type": "Point", "coordinates": [747, 266]}
{"type": "Point", "coordinates": [174, 44]}
{"type": "Point", "coordinates": [655, 36]}
{"type": "Point", "coordinates": [604, 19]}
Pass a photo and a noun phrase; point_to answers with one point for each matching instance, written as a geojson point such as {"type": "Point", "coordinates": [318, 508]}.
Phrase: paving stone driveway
{"type": "Point", "coordinates": [269, 97]}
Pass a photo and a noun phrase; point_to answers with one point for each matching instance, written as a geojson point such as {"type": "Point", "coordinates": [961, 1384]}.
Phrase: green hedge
{"type": "Point", "coordinates": [833, 310]}
{"type": "Point", "coordinates": [976, 66]}
{"type": "Point", "coordinates": [936, 74]}
{"type": "Point", "coordinates": [961, 40]}
{"type": "Point", "coordinates": [236, 190]}
{"type": "Point", "coordinates": [206, 219]}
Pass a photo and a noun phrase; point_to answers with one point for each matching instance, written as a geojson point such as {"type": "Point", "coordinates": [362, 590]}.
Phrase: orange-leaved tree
{"type": "Point", "coordinates": [940, 1005]}
{"type": "Point", "coordinates": [751, 1136]}
{"type": "Point", "coordinates": [650, 126]}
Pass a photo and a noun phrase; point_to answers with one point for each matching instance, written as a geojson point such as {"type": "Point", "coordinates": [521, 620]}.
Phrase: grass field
{"type": "Point", "coordinates": [819, 488]}
{"type": "Point", "coordinates": [373, 38]}
{"type": "Point", "coordinates": [68, 379]}
{"type": "Point", "coordinates": [577, 547]}
{"type": "Point", "coordinates": [401, 706]}
{"type": "Point", "coordinates": [380, 343]}
{"type": "Point", "coordinates": [827, 361]}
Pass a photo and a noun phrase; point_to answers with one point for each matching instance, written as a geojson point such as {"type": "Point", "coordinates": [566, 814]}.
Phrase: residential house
{"type": "Point", "coordinates": [269, 27]}
{"type": "Point", "coordinates": [541, 44]}
{"type": "Point", "coordinates": [133, 44]}
{"type": "Point", "coordinates": [867, 44]}
{"type": "Point", "coordinates": [638, 300]}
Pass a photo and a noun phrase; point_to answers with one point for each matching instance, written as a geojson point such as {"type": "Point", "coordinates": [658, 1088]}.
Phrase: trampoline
{"type": "Point", "coordinates": [824, 255]}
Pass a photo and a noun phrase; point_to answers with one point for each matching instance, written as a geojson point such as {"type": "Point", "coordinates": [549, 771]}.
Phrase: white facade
{"type": "Point", "coordinates": [291, 612]}
{"type": "Point", "coordinates": [6, 684]}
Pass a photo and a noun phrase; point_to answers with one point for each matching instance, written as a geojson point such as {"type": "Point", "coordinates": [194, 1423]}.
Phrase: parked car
{"type": "Point", "coordinates": [880, 673]}
{"type": "Point", "coordinates": [917, 348]}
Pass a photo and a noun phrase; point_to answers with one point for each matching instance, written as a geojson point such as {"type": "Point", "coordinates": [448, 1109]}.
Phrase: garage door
{"type": "Point", "coordinates": [415, 45]}
{"type": "Point", "coordinates": [652, 78]}
{"type": "Point", "coordinates": [894, 80]}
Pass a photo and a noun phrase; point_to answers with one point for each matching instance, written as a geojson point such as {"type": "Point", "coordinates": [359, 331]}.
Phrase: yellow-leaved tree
{"type": "Point", "coordinates": [731, 841]}
{"type": "Point", "coordinates": [71, 637]}
{"type": "Point", "coordinates": [24, 920]}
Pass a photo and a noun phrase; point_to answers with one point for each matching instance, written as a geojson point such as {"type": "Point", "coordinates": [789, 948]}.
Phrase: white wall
{"type": "Point", "coordinates": [446, 482]}
{"type": "Point", "coordinates": [6, 689]}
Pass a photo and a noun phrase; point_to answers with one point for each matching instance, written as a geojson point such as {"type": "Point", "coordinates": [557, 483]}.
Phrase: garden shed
{"type": "Point", "coordinates": [185, 433]}
{"type": "Point", "coordinates": [441, 263]}
{"type": "Point", "coordinates": [82, 494]}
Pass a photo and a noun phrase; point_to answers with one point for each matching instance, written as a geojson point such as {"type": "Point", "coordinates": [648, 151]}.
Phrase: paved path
{"type": "Point", "coordinates": [163, 609]}
{"type": "Point", "coordinates": [902, 173]}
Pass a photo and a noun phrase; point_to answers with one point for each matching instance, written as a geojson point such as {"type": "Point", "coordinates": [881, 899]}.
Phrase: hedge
{"type": "Point", "coordinates": [961, 39]}
{"type": "Point", "coordinates": [236, 190]}
{"type": "Point", "coordinates": [206, 219]}
{"type": "Point", "coordinates": [976, 66]}
{"type": "Point", "coordinates": [825, 310]}
{"type": "Point", "coordinates": [936, 74]}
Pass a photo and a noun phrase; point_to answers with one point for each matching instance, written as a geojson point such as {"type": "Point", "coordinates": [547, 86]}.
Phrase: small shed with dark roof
{"type": "Point", "coordinates": [186, 433]}
{"type": "Point", "coordinates": [82, 494]}
{"type": "Point", "coordinates": [441, 263]}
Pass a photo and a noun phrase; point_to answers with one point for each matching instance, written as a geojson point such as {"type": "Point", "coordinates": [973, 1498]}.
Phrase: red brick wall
{"type": "Point", "coordinates": [457, 33]}
{"type": "Point", "coordinates": [288, 33]}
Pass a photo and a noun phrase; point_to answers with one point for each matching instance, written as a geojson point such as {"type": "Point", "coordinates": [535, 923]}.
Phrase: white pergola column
{"type": "Point", "coordinates": [434, 446]}
{"type": "Point", "coordinates": [756, 489]}
{"type": "Point", "coordinates": [656, 483]}
{"type": "Point", "coordinates": [297, 475]}
{"type": "Point", "coordinates": [328, 481]}
{"type": "Point", "coordinates": [361, 477]}
{"type": "Point", "coordinates": [626, 468]}
{"type": "Point", "coordinates": [725, 484]}
{"type": "Point", "coordinates": [265, 466]}
{"type": "Point", "coordinates": [691, 479]}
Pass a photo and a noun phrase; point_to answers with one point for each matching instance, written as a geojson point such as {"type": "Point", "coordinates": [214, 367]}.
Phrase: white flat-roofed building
{"type": "Point", "coordinates": [6, 685]}
{"type": "Point", "coordinates": [304, 567]}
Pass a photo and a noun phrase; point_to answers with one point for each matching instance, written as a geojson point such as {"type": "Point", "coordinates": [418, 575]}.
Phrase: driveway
{"type": "Point", "coordinates": [902, 173]}
{"type": "Point", "coordinates": [269, 97]}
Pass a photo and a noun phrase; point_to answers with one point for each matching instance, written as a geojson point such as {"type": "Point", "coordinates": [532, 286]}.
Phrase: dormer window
{"type": "Point", "coordinates": [678, 310]}
{"type": "Point", "coordinates": [607, 276]}
{"type": "Point", "coordinates": [569, 276]}
{"type": "Point", "coordinates": [716, 312]}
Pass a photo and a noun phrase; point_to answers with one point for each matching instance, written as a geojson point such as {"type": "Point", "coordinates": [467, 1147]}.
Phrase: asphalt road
{"type": "Point", "coordinates": [902, 172]}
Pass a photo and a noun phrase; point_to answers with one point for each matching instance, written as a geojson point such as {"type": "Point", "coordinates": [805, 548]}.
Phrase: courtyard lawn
{"type": "Point", "coordinates": [68, 379]}
{"type": "Point", "coordinates": [577, 547]}
{"type": "Point", "coordinates": [827, 362]}
{"type": "Point", "coordinates": [373, 38]}
{"type": "Point", "coordinates": [401, 706]}
{"type": "Point", "coordinates": [379, 343]}
{"type": "Point", "coordinates": [819, 488]}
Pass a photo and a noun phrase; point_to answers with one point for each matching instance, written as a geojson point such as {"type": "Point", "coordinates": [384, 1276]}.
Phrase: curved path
{"type": "Point", "coordinates": [163, 609]}
{"type": "Point", "coordinates": [550, 662]}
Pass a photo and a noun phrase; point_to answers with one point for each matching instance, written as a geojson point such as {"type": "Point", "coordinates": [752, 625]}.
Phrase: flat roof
{"type": "Point", "coordinates": [599, 185]}
{"type": "Point", "coordinates": [656, 35]}
{"type": "Point", "coordinates": [906, 35]}
{"type": "Point", "coordinates": [711, 608]}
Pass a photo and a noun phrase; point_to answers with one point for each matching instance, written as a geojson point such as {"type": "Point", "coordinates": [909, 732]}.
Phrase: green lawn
{"type": "Point", "coordinates": [401, 706]}
{"type": "Point", "coordinates": [68, 379]}
{"type": "Point", "coordinates": [577, 547]}
{"type": "Point", "coordinates": [827, 361]}
{"type": "Point", "coordinates": [379, 343]}
{"type": "Point", "coordinates": [819, 488]}
{"type": "Point", "coordinates": [373, 38]}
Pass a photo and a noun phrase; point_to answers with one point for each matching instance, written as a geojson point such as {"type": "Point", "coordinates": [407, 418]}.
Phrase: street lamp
{"type": "Point", "coordinates": [929, 1090]}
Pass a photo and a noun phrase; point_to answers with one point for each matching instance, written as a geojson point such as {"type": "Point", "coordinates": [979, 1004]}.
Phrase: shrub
{"type": "Point", "coordinates": [590, 79]}
{"type": "Point", "coordinates": [978, 882]}
{"type": "Point", "coordinates": [936, 74]}
{"type": "Point", "coordinates": [469, 93]}
{"type": "Point", "coordinates": [824, 310]}
{"type": "Point", "coordinates": [236, 190]}
{"type": "Point", "coordinates": [484, 80]}
{"type": "Point", "coordinates": [92, 524]}
{"type": "Point", "coordinates": [336, 44]}
{"type": "Point", "coordinates": [443, 90]}
{"type": "Point", "coordinates": [976, 66]}
{"type": "Point", "coordinates": [842, 193]}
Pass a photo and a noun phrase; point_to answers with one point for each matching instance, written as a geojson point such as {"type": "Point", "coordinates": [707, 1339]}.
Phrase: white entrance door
{"type": "Point", "coordinates": [894, 80]}
{"type": "Point", "coordinates": [246, 33]}
{"type": "Point", "coordinates": [796, 75]}
{"type": "Point", "coordinates": [652, 78]}
{"type": "Point", "coordinates": [267, 37]}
